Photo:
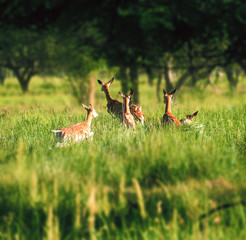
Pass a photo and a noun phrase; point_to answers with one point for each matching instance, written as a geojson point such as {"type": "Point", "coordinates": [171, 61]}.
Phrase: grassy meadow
{"type": "Point", "coordinates": [152, 183]}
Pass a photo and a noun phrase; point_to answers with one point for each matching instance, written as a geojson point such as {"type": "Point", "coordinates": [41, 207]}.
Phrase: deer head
{"type": "Point", "coordinates": [168, 97]}
{"type": "Point", "coordinates": [126, 100]}
{"type": "Point", "coordinates": [90, 110]}
{"type": "Point", "coordinates": [191, 116]}
{"type": "Point", "coordinates": [105, 85]}
{"type": "Point", "coordinates": [128, 97]}
{"type": "Point", "coordinates": [138, 112]}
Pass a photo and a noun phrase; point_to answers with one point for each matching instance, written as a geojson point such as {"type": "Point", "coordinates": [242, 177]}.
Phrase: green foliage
{"type": "Point", "coordinates": [76, 58]}
{"type": "Point", "coordinates": [132, 35]}
{"type": "Point", "coordinates": [26, 53]}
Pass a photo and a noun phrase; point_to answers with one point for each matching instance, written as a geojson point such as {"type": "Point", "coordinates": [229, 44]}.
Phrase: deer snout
{"type": "Point", "coordinates": [95, 114]}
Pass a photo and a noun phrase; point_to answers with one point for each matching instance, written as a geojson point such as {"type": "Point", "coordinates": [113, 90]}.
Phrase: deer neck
{"type": "Point", "coordinates": [107, 93]}
{"type": "Point", "coordinates": [168, 105]}
{"type": "Point", "coordinates": [126, 107]}
{"type": "Point", "coordinates": [89, 118]}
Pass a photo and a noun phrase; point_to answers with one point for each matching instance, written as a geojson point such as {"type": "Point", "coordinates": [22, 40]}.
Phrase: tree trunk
{"type": "Point", "coordinates": [212, 84]}
{"type": "Point", "coordinates": [92, 89]}
{"type": "Point", "coordinates": [216, 76]}
{"type": "Point", "coordinates": [23, 78]}
{"type": "Point", "coordinates": [150, 76]}
{"type": "Point", "coordinates": [123, 79]}
{"type": "Point", "coordinates": [191, 68]}
{"type": "Point", "coordinates": [2, 75]}
{"type": "Point", "coordinates": [169, 84]}
{"type": "Point", "coordinates": [158, 86]}
{"type": "Point", "coordinates": [207, 74]}
{"type": "Point", "coordinates": [134, 80]}
{"type": "Point", "coordinates": [24, 84]}
{"type": "Point", "coordinates": [184, 77]}
{"type": "Point", "coordinates": [231, 78]}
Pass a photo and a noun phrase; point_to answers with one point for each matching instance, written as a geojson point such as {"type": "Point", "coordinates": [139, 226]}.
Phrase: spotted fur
{"type": "Point", "coordinates": [77, 132]}
{"type": "Point", "coordinates": [137, 113]}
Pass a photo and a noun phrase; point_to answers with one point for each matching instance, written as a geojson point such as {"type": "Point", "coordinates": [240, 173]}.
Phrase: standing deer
{"type": "Point", "coordinates": [128, 118]}
{"type": "Point", "coordinates": [77, 132]}
{"type": "Point", "coordinates": [114, 106]}
{"type": "Point", "coordinates": [168, 117]}
{"type": "Point", "coordinates": [188, 119]}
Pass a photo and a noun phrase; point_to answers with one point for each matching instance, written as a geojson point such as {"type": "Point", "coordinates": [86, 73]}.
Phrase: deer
{"type": "Point", "coordinates": [168, 117]}
{"type": "Point", "coordinates": [188, 119]}
{"type": "Point", "coordinates": [137, 113]}
{"type": "Point", "coordinates": [114, 106]}
{"type": "Point", "coordinates": [128, 118]}
{"type": "Point", "coordinates": [77, 132]}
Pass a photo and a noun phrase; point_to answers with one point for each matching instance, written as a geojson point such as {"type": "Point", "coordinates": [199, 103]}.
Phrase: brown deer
{"type": "Point", "coordinates": [168, 117]}
{"type": "Point", "coordinates": [114, 106]}
{"type": "Point", "coordinates": [128, 118]}
{"type": "Point", "coordinates": [188, 119]}
{"type": "Point", "coordinates": [137, 113]}
{"type": "Point", "coordinates": [77, 132]}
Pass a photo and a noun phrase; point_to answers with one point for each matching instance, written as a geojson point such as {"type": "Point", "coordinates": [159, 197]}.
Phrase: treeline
{"type": "Point", "coordinates": [163, 38]}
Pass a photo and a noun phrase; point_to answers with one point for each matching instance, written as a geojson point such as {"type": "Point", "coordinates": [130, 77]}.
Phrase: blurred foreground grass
{"type": "Point", "coordinates": [152, 183]}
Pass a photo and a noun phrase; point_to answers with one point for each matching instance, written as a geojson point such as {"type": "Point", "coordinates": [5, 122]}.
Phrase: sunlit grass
{"type": "Point", "coordinates": [152, 183]}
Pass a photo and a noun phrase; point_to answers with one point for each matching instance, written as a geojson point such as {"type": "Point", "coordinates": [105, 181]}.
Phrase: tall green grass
{"type": "Point", "coordinates": [152, 183]}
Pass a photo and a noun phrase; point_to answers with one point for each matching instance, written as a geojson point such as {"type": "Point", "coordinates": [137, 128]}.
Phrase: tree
{"type": "Point", "coordinates": [26, 53]}
{"type": "Point", "coordinates": [76, 59]}
{"type": "Point", "coordinates": [138, 33]}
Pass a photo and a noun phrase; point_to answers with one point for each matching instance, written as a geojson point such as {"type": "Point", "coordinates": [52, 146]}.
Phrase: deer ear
{"type": "Point", "coordinates": [164, 92]}
{"type": "Point", "coordinates": [100, 82]}
{"type": "Point", "coordinates": [121, 94]}
{"type": "Point", "coordinates": [85, 107]}
{"type": "Point", "coordinates": [131, 93]}
{"type": "Point", "coordinates": [140, 109]}
{"type": "Point", "coordinates": [109, 82]}
{"type": "Point", "coordinates": [91, 107]}
{"type": "Point", "coordinates": [195, 114]}
{"type": "Point", "coordinates": [172, 93]}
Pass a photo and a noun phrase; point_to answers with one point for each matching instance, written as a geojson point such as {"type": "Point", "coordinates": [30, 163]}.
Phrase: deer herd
{"type": "Point", "coordinates": [125, 110]}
